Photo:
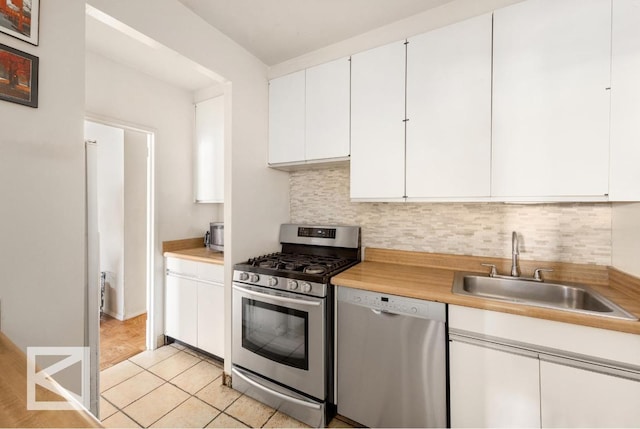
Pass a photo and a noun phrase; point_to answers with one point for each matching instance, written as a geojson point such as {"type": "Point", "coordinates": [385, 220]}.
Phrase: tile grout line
{"type": "Point", "coordinates": [190, 395]}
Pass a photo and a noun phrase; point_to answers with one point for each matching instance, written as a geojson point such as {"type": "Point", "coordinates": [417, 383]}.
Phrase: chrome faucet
{"type": "Point", "coordinates": [515, 272]}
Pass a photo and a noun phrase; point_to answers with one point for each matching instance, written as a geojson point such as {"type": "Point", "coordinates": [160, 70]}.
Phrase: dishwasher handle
{"type": "Point", "coordinates": [384, 312]}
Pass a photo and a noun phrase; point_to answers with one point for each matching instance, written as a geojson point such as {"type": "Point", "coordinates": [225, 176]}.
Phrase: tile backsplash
{"type": "Point", "coordinates": [579, 233]}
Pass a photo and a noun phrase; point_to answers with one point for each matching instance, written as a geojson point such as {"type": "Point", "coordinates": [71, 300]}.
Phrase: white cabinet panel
{"type": "Point", "coordinates": [573, 397]}
{"type": "Point", "coordinates": [287, 118]}
{"type": "Point", "coordinates": [194, 304]}
{"type": "Point", "coordinates": [211, 318]}
{"type": "Point", "coordinates": [449, 111]}
{"type": "Point", "coordinates": [209, 181]}
{"type": "Point", "coordinates": [327, 110]}
{"type": "Point", "coordinates": [491, 388]}
{"type": "Point", "coordinates": [377, 123]}
{"type": "Point", "coordinates": [550, 99]}
{"type": "Point", "coordinates": [181, 307]}
{"type": "Point", "coordinates": [625, 102]}
{"type": "Point", "coordinates": [211, 272]}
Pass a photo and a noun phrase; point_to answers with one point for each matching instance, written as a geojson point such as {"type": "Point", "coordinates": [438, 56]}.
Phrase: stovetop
{"type": "Point", "coordinates": [312, 268]}
{"type": "Point", "coordinates": [309, 257]}
{"type": "Point", "coordinates": [307, 264]}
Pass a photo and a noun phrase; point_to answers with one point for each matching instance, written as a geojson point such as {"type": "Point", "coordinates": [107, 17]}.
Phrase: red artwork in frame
{"type": "Point", "coordinates": [18, 76]}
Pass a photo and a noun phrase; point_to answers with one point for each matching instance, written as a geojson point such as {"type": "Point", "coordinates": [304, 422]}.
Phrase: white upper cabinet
{"type": "Point", "coordinates": [209, 180]}
{"type": "Point", "coordinates": [449, 111]}
{"type": "Point", "coordinates": [624, 178]}
{"type": "Point", "coordinates": [309, 115]}
{"type": "Point", "coordinates": [377, 123]}
{"type": "Point", "coordinates": [551, 74]}
{"type": "Point", "coordinates": [327, 110]}
{"type": "Point", "coordinates": [286, 118]}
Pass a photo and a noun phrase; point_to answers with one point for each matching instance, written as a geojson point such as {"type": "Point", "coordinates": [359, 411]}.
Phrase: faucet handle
{"type": "Point", "coordinates": [494, 270]}
{"type": "Point", "coordinates": [537, 271]}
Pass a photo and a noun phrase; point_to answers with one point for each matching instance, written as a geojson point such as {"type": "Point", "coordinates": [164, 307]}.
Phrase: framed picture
{"type": "Point", "coordinates": [20, 18]}
{"type": "Point", "coordinates": [18, 76]}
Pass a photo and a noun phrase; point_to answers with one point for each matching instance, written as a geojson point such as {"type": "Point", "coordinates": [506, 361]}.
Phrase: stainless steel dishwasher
{"type": "Point", "coordinates": [391, 360]}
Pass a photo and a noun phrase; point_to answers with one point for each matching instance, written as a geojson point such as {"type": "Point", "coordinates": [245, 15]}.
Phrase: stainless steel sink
{"type": "Point", "coordinates": [573, 298]}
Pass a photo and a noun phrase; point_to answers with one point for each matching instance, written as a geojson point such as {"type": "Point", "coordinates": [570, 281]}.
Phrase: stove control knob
{"type": "Point", "coordinates": [305, 287]}
{"type": "Point", "coordinates": [273, 281]}
{"type": "Point", "coordinates": [255, 278]}
{"type": "Point", "coordinates": [292, 285]}
{"type": "Point", "coordinates": [244, 276]}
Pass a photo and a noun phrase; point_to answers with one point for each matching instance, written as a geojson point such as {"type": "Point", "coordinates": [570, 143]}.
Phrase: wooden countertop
{"type": "Point", "coordinates": [429, 276]}
{"type": "Point", "coordinates": [13, 396]}
{"type": "Point", "coordinates": [192, 249]}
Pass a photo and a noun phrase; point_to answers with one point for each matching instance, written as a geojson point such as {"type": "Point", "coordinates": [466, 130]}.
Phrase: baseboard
{"type": "Point", "coordinates": [114, 315]}
{"type": "Point", "coordinates": [136, 314]}
{"type": "Point", "coordinates": [159, 341]}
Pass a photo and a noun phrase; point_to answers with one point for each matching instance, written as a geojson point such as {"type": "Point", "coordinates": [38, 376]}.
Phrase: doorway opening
{"type": "Point", "coordinates": [120, 225]}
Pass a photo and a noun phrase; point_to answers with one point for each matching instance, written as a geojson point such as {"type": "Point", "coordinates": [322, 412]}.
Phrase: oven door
{"type": "Point", "coordinates": [280, 336]}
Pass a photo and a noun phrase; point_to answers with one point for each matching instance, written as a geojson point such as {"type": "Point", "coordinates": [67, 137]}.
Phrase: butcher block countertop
{"type": "Point", "coordinates": [192, 249]}
{"type": "Point", "coordinates": [13, 396]}
{"type": "Point", "coordinates": [429, 276]}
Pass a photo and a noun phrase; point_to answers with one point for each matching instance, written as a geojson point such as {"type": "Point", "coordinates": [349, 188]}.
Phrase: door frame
{"type": "Point", "coordinates": [92, 306]}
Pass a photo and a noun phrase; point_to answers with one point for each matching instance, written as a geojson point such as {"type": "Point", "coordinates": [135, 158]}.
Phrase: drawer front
{"type": "Point", "coordinates": [182, 266]}
{"type": "Point", "coordinates": [211, 272]}
{"type": "Point", "coordinates": [600, 343]}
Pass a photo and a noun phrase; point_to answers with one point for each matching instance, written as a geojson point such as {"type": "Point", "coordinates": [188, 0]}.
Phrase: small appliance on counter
{"type": "Point", "coordinates": [214, 238]}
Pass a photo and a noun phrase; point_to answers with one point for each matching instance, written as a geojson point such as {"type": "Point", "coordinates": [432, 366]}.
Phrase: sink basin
{"type": "Point", "coordinates": [557, 296]}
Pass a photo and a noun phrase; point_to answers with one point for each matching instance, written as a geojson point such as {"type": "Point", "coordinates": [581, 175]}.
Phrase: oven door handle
{"type": "Point", "coordinates": [277, 298]}
{"type": "Point", "coordinates": [259, 386]}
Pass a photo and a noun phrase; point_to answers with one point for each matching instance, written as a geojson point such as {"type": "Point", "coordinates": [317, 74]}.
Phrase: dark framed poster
{"type": "Point", "coordinates": [18, 76]}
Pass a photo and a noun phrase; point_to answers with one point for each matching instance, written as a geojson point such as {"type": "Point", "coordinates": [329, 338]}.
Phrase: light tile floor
{"type": "Point", "coordinates": [175, 386]}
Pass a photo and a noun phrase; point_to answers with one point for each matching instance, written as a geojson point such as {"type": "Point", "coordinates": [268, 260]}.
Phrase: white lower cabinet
{"type": "Point", "coordinates": [516, 371]}
{"type": "Point", "coordinates": [181, 310]}
{"type": "Point", "coordinates": [493, 388]}
{"type": "Point", "coordinates": [576, 397]}
{"type": "Point", "coordinates": [211, 318]}
{"type": "Point", "coordinates": [194, 304]}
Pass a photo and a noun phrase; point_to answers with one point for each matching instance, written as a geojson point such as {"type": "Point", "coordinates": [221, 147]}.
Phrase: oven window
{"type": "Point", "coordinates": [277, 333]}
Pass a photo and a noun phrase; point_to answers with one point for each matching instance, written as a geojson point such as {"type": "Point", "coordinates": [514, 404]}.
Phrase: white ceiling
{"type": "Point", "coordinates": [278, 30]}
{"type": "Point", "coordinates": [121, 43]}
{"type": "Point", "coordinates": [272, 30]}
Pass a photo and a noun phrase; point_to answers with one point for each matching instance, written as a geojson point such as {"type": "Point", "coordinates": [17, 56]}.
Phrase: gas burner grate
{"type": "Point", "coordinates": [307, 264]}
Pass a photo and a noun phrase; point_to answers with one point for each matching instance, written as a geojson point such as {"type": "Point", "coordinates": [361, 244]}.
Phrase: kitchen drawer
{"type": "Point", "coordinates": [182, 266]}
{"type": "Point", "coordinates": [211, 272]}
{"type": "Point", "coordinates": [600, 343]}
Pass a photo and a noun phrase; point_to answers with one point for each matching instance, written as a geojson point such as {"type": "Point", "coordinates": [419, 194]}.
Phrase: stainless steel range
{"type": "Point", "coordinates": [283, 320]}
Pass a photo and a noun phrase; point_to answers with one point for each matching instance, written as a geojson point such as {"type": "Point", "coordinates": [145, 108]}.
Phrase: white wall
{"type": "Point", "coordinates": [256, 198]}
{"type": "Point", "coordinates": [625, 238]}
{"type": "Point", "coordinates": [135, 223]}
{"type": "Point", "coordinates": [42, 285]}
{"type": "Point", "coordinates": [111, 215]}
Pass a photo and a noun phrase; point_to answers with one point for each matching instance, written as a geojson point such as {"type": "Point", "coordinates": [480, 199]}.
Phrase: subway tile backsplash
{"type": "Point", "coordinates": [578, 233]}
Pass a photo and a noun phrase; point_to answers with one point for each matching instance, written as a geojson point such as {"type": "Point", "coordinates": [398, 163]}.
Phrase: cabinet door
{"type": "Point", "coordinates": [449, 111]}
{"type": "Point", "coordinates": [181, 304]}
{"type": "Point", "coordinates": [377, 123]}
{"type": "Point", "coordinates": [211, 318]}
{"type": "Point", "coordinates": [551, 74]}
{"type": "Point", "coordinates": [210, 151]}
{"type": "Point", "coordinates": [286, 118]}
{"type": "Point", "coordinates": [327, 110]}
{"type": "Point", "coordinates": [492, 388]}
{"type": "Point", "coordinates": [625, 102]}
{"type": "Point", "coordinates": [573, 397]}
